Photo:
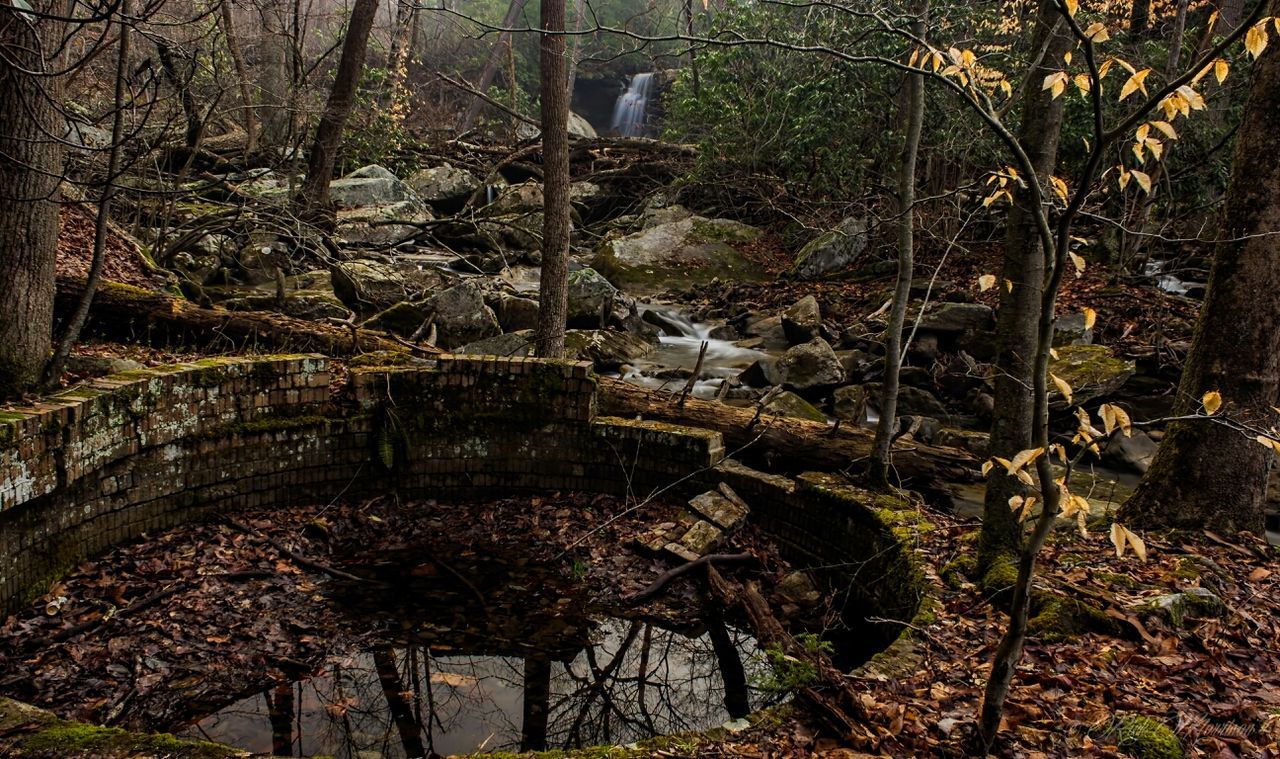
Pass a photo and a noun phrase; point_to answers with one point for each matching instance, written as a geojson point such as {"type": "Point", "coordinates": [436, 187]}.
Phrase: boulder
{"type": "Point", "coordinates": [461, 316]}
{"type": "Point", "coordinates": [404, 318]}
{"type": "Point", "coordinates": [445, 187]}
{"type": "Point", "coordinates": [1090, 370]}
{"type": "Point", "coordinates": [677, 255]}
{"type": "Point", "coordinates": [662, 321]}
{"type": "Point", "coordinates": [522, 198]}
{"type": "Point", "coordinates": [850, 403]}
{"type": "Point", "coordinates": [368, 186]}
{"type": "Point", "coordinates": [957, 317]}
{"type": "Point", "coordinates": [763, 373]}
{"type": "Point", "coordinates": [789, 404]}
{"type": "Point", "coordinates": [589, 293]}
{"type": "Point", "coordinates": [856, 363]}
{"type": "Point", "coordinates": [515, 313]}
{"type": "Point", "coordinates": [769, 329]}
{"type": "Point", "coordinates": [832, 250]}
{"type": "Point", "coordinates": [510, 344]}
{"type": "Point", "coordinates": [580, 127]}
{"type": "Point", "coordinates": [811, 367]}
{"type": "Point", "coordinates": [201, 268]}
{"type": "Point", "coordinates": [361, 225]}
{"type": "Point", "coordinates": [368, 285]}
{"type": "Point", "coordinates": [803, 321]}
{"type": "Point", "coordinates": [1175, 607]}
{"type": "Point", "coordinates": [606, 348]}
{"type": "Point", "coordinates": [302, 304]}
{"type": "Point", "coordinates": [1070, 329]}
{"type": "Point", "coordinates": [1130, 452]}
{"type": "Point", "coordinates": [912, 401]}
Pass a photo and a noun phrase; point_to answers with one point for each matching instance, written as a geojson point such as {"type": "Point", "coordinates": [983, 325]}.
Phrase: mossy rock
{"type": "Point", "coordinates": [1174, 608]}
{"type": "Point", "coordinates": [1144, 737]}
{"type": "Point", "coordinates": [1001, 576]}
{"type": "Point", "coordinates": [677, 255]}
{"type": "Point", "coordinates": [959, 570]}
{"type": "Point", "coordinates": [1090, 370]}
{"type": "Point", "coordinates": [32, 733]}
{"type": "Point", "coordinates": [1057, 617]}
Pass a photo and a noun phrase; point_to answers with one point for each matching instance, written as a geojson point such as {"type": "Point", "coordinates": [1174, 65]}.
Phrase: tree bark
{"type": "Point", "coordinates": [1013, 421]}
{"type": "Point", "coordinates": [314, 196]}
{"type": "Point", "coordinates": [913, 120]}
{"type": "Point", "coordinates": [236, 52]}
{"type": "Point", "coordinates": [553, 292]}
{"type": "Point", "coordinates": [71, 332]}
{"type": "Point", "coordinates": [491, 66]}
{"type": "Point", "coordinates": [1205, 474]}
{"type": "Point", "coordinates": [1139, 17]}
{"type": "Point", "coordinates": [30, 164]}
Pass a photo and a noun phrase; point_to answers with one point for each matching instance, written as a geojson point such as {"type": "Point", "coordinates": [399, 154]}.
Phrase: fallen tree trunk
{"type": "Point", "coordinates": [783, 441]}
{"type": "Point", "coordinates": [125, 312]}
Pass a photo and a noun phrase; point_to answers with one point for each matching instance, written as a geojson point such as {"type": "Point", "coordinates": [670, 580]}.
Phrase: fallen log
{"type": "Point", "coordinates": [125, 312]}
{"type": "Point", "coordinates": [783, 441]}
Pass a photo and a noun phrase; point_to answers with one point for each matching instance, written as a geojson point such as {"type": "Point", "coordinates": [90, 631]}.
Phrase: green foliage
{"type": "Point", "coordinates": [787, 674]}
{"type": "Point", "coordinates": [378, 128]}
{"type": "Point", "coordinates": [1144, 737]}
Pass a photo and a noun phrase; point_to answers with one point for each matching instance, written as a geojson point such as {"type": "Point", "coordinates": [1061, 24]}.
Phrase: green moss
{"type": "Point", "coordinates": [383, 358]}
{"type": "Point", "coordinates": [264, 425]}
{"type": "Point", "coordinates": [1117, 580]}
{"type": "Point", "coordinates": [959, 570]}
{"type": "Point", "coordinates": [1058, 618]}
{"type": "Point", "coordinates": [1186, 569]}
{"type": "Point", "coordinates": [1145, 737]}
{"type": "Point", "coordinates": [68, 738]}
{"type": "Point", "coordinates": [122, 290]}
{"type": "Point", "coordinates": [1001, 576]}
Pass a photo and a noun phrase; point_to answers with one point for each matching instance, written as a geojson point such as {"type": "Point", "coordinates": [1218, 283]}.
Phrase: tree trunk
{"type": "Point", "coordinates": [553, 288]}
{"type": "Point", "coordinates": [579, 16]}
{"type": "Point", "coordinates": [1013, 421]}
{"type": "Point", "coordinates": [314, 196]}
{"type": "Point", "coordinates": [1207, 475]}
{"type": "Point", "coordinates": [913, 119]}
{"type": "Point", "coordinates": [242, 78]}
{"type": "Point", "coordinates": [181, 84]}
{"type": "Point", "coordinates": [1139, 17]}
{"type": "Point", "coordinates": [30, 164]}
{"type": "Point", "coordinates": [71, 332]}
{"type": "Point", "coordinates": [491, 66]}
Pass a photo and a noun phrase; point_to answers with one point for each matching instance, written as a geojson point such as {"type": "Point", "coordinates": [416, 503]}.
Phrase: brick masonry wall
{"type": "Point", "coordinates": [142, 452]}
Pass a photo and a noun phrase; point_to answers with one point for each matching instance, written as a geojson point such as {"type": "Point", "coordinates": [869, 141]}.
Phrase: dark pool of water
{"type": "Point", "coordinates": [491, 657]}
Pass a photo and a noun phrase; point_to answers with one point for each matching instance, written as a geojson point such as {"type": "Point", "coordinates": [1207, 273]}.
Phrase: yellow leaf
{"type": "Point", "coordinates": [987, 466]}
{"type": "Point", "coordinates": [1060, 451]}
{"type": "Point", "coordinates": [1212, 401]}
{"type": "Point", "coordinates": [1141, 134]}
{"type": "Point", "coordinates": [1006, 88]}
{"type": "Point", "coordinates": [1023, 458]}
{"type": "Point", "coordinates": [1123, 421]}
{"type": "Point", "coordinates": [1104, 69]}
{"type": "Point", "coordinates": [1025, 478]}
{"type": "Point", "coordinates": [986, 282]}
{"type": "Point", "coordinates": [1166, 129]}
{"type": "Point", "coordinates": [1072, 6]}
{"type": "Point", "coordinates": [1054, 353]}
{"type": "Point", "coordinates": [1118, 539]}
{"type": "Point", "coordinates": [1066, 57]}
{"type": "Point", "coordinates": [1090, 316]}
{"type": "Point", "coordinates": [1108, 414]}
{"type": "Point", "coordinates": [1156, 147]}
{"type": "Point", "coordinates": [1220, 70]}
{"type": "Point", "coordinates": [1056, 83]}
{"type": "Point", "coordinates": [1078, 261]}
{"type": "Point", "coordinates": [1255, 40]}
{"type": "Point", "coordinates": [1123, 178]}
{"type": "Point", "coordinates": [1193, 98]}
{"type": "Point", "coordinates": [1142, 179]}
{"type": "Point", "coordinates": [1008, 285]}
{"type": "Point", "coordinates": [1059, 188]}
{"type": "Point", "coordinates": [1062, 386]}
{"type": "Point", "coordinates": [1083, 83]}
{"type": "Point", "coordinates": [1097, 32]}
{"type": "Point", "coordinates": [1139, 547]}
{"type": "Point", "coordinates": [1136, 82]}
{"type": "Point", "coordinates": [1269, 442]}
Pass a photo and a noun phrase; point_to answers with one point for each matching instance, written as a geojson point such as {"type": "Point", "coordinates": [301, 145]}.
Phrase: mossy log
{"type": "Point", "coordinates": [125, 312]}
{"type": "Point", "coordinates": [783, 441]}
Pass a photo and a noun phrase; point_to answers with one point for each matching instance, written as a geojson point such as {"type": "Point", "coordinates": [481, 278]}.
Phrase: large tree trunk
{"type": "Point", "coordinates": [553, 288]}
{"type": "Point", "coordinates": [913, 120]}
{"type": "Point", "coordinates": [314, 196]}
{"type": "Point", "coordinates": [1205, 474]}
{"type": "Point", "coordinates": [30, 164]}
{"type": "Point", "coordinates": [236, 52]}
{"type": "Point", "coordinates": [1013, 421]}
{"type": "Point", "coordinates": [491, 66]}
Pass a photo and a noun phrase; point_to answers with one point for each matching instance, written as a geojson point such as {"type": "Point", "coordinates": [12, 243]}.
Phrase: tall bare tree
{"type": "Point", "coordinates": [314, 196]}
{"type": "Point", "coordinates": [501, 47]}
{"type": "Point", "coordinates": [30, 171]}
{"type": "Point", "coordinates": [554, 289]}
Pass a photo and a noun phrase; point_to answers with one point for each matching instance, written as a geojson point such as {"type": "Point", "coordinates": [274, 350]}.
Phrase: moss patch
{"type": "Point", "coordinates": [1145, 737]}
{"type": "Point", "coordinates": [32, 733]}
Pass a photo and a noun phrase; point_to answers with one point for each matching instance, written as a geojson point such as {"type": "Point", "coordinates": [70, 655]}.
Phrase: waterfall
{"type": "Point", "coordinates": [629, 111]}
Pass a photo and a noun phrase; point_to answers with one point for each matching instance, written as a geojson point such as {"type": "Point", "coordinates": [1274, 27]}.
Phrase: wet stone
{"type": "Point", "coordinates": [719, 510]}
{"type": "Point", "coordinates": [701, 538]}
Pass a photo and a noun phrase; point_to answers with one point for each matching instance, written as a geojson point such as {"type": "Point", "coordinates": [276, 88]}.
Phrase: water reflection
{"type": "Point", "coordinates": [628, 680]}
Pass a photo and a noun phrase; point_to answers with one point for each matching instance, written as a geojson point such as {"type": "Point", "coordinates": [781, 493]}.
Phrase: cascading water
{"type": "Point", "coordinates": [630, 110]}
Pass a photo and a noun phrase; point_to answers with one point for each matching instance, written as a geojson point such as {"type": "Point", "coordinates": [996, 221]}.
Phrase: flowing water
{"type": "Point", "coordinates": [677, 355]}
{"type": "Point", "coordinates": [629, 113]}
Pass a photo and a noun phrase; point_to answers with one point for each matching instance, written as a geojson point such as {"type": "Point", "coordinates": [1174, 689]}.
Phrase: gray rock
{"type": "Point", "coordinates": [811, 367]}
{"type": "Point", "coordinates": [1133, 452]}
{"type": "Point", "coordinates": [855, 363]}
{"type": "Point", "coordinates": [677, 255]}
{"type": "Point", "coordinates": [1070, 329]}
{"type": "Point", "coordinates": [589, 294]}
{"type": "Point", "coordinates": [516, 313]}
{"type": "Point", "coordinates": [803, 321]}
{"type": "Point", "coordinates": [770, 329]}
{"type": "Point", "coordinates": [973, 441]}
{"type": "Point", "coordinates": [461, 316]}
{"type": "Point", "coordinates": [723, 332]}
{"type": "Point", "coordinates": [701, 539]}
{"type": "Point", "coordinates": [798, 588]}
{"type": "Point", "coordinates": [912, 401]}
{"type": "Point", "coordinates": [1175, 607]}
{"type": "Point", "coordinates": [832, 250]}
{"type": "Point", "coordinates": [720, 511]}
{"type": "Point", "coordinates": [606, 348]}
{"type": "Point", "coordinates": [366, 225]}
{"type": "Point", "coordinates": [669, 326]}
{"type": "Point", "coordinates": [1090, 370]}
{"type": "Point", "coordinates": [368, 285]}
{"type": "Point", "coordinates": [445, 186]}
{"type": "Point", "coordinates": [522, 198]}
{"type": "Point", "coordinates": [792, 405]}
{"type": "Point", "coordinates": [762, 373]}
{"type": "Point", "coordinates": [201, 268]}
{"type": "Point", "coordinates": [957, 317]}
{"type": "Point", "coordinates": [511, 344]}
{"type": "Point", "coordinates": [850, 403]}
{"type": "Point", "coordinates": [368, 186]}
{"type": "Point", "coordinates": [404, 319]}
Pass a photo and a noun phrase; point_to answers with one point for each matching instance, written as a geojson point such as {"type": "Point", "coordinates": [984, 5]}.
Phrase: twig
{"type": "Point", "coordinates": [294, 556]}
{"type": "Point", "coordinates": [665, 578]}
